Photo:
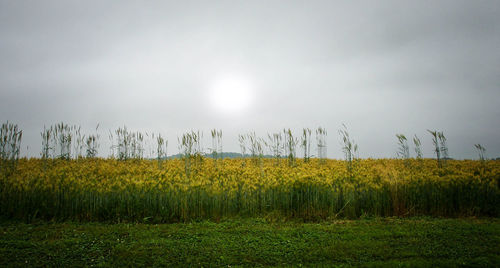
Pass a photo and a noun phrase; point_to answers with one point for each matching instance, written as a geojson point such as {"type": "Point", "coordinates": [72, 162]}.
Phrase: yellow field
{"type": "Point", "coordinates": [108, 189]}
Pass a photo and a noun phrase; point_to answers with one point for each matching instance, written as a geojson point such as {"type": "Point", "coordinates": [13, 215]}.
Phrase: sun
{"type": "Point", "coordinates": [231, 93]}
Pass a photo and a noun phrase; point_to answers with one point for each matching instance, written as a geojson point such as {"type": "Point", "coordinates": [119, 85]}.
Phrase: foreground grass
{"type": "Point", "coordinates": [254, 242]}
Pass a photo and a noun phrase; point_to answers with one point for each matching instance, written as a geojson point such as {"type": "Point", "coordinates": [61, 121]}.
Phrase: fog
{"type": "Point", "coordinates": [382, 68]}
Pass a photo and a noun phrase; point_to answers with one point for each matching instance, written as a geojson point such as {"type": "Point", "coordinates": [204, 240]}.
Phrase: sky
{"type": "Point", "coordinates": [379, 67]}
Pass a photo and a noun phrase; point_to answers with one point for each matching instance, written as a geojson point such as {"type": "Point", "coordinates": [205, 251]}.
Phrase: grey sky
{"type": "Point", "coordinates": [381, 67]}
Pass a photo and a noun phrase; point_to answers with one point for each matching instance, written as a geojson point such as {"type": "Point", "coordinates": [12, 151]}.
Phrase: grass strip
{"type": "Point", "coordinates": [254, 242]}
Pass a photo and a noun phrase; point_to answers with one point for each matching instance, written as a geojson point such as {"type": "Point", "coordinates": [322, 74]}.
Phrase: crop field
{"type": "Point", "coordinates": [264, 207]}
{"type": "Point", "coordinates": [144, 191]}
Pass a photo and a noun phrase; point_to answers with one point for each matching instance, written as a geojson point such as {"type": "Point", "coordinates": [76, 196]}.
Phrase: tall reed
{"type": "Point", "coordinates": [290, 147]}
{"type": "Point", "coordinates": [92, 144]}
{"type": "Point", "coordinates": [481, 152]}
{"type": "Point", "coordinates": [440, 147]}
{"type": "Point", "coordinates": [190, 146]}
{"type": "Point", "coordinates": [321, 143]}
{"type": "Point", "coordinates": [242, 142]}
{"type": "Point", "coordinates": [216, 145]}
{"type": "Point", "coordinates": [161, 149]}
{"type": "Point", "coordinates": [275, 144]}
{"type": "Point", "coordinates": [350, 149]}
{"type": "Point", "coordinates": [58, 188]}
{"type": "Point", "coordinates": [10, 147]}
{"type": "Point", "coordinates": [403, 149]}
{"type": "Point", "coordinates": [418, 147]}
{"type": "Point", "coordinates": [306, 144]}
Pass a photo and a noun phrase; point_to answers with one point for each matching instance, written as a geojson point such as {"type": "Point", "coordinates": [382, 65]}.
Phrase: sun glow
{"type": "Point", "coordinates": [231, 94]}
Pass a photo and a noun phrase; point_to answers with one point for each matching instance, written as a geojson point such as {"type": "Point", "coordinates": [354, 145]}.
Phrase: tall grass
{"type": "Point", "coordinates": [161, 149]}
{"type": "Point", "coordinates": [418, 147]}
{"type": "Point", "coordinates": [440, 147]}
{"type": "Point", "coordinates": [403, 147]}
{"type": "Point", "coordinates": [350, 149]}
{"type": "Point", "coordinates": [62, 185]}
{"type": "Point", "coordinates": [114, 190]}
{"type": "Point", "coordinates": [10, 141]}
{"type": "Point", "coordinates": [216, 145]}
{"type": "Point", "coordinates": [92, 144]}
{"type": "Point", "coordinates": [321, 143]}
{"type": "Point", "coordinates": [403, 151]}
{"type": "Point", "coordinates": [242, 142]}
{"type": "Point", "coordinates": [256, 148]}
{"type": "Point", "coordinates": [10, 147]}
{"type": "Point", "coordinates": [62, 136]}
{"type": "Point", "coordinates": [481, 152]}
{"type": "Point", "coordinates": [275, 145]}
{"type": "Point", "coordinates": [191, 147]}
{"type": "Point", "coordinates": [290, 147]}
{"type": "Point", "coordinates": [305, 143]}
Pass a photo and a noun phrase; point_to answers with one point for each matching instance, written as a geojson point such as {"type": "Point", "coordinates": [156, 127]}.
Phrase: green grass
{"type": "Point", "coordinates": [254, 242]}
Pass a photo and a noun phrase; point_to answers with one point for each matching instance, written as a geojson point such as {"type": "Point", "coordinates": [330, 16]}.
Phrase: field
{"type": "Point", "coordinates": [249, 133]}
{"type": "Point", "coordinates": [382, 242]}
{"type": "Point", "coordinates": [212, 189]}
{"type": "Point", "coordinates": [201, 211]}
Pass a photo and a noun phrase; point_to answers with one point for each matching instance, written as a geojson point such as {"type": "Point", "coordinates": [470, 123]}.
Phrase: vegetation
{"type": "Point", "coordinates": [418, 147]}
{"type": "Point", "coordinates": [92, 144]}
{"type": "Point", "coordinates": [350, 149]}
{"type": "Point", "coordinates": [114, 190]}
{"type": "Point", "coordinates": [440, 147]}
{"type": "Point", "coordinates": [403, 147]}
{"type": "Point", "coordinates": [263, 207]}
{"type": "Point", "coordinates": [63, 185]}
{"type": "Point", "coordinates": [481, 151]}
{"type": "Point", "coordinates": [306, 144]}
{"type": "Point", "coordinates": [321, 142]}
{"type": "Point", "coordinates": [217, 145]}
{"type": "Point", "coordinates": [386, 242]}
{"type": "Point", "coordinates": [290, 147]}
{"type": "Point", "coordinates": [275, 144]}
{"type": "Point", "coordinates": [10, 147]}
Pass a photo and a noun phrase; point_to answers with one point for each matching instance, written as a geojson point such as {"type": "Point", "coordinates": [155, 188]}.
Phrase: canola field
{"type": "Point", "coordinates": [203, 188]}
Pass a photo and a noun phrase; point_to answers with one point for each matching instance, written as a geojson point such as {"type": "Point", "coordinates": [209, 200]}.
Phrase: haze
{"type": "Point", "coordinates": [380, 67]}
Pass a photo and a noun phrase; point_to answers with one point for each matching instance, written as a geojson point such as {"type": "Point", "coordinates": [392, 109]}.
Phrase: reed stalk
{"type": "Point", "coordinates": [350, 149]}
{"type": "Point", "coordinates": [10, 146]}
{"type": "Point", "coordinates": [321, 143]}
{"type": "Point", "coordinates": [418, 147]}
{"type": "Point", "coordinates": [306, 144]}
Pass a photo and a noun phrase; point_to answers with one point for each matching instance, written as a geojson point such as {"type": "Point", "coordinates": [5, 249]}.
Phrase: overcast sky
{"type": "Point", "coordinates": [380, 67]}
